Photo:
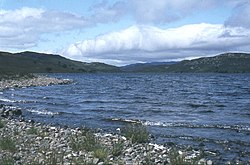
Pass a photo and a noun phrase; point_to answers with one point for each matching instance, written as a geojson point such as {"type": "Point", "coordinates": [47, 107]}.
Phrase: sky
{"type": "Point", "coordinates": [121, 32]}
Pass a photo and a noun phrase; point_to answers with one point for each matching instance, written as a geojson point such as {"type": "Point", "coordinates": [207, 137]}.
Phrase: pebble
{"type": "Point", "coordinates": [95, 160]}
{"type": "Point", "coordinates": [209, 162]}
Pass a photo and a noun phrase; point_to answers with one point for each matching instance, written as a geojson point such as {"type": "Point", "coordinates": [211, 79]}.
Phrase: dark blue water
{"type": "Point", "coordinates": [209, 110]}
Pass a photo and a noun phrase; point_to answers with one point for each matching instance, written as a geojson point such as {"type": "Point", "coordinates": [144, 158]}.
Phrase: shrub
{"type": "Point", "coordinates": [137, 133]}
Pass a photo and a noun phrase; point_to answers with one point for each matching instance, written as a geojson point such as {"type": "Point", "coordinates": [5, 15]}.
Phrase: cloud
{"type": "Point", "coordinates": [148, 43]}
{"type": "Point", "coordinates": [103, 12]}
{"type": "Point", "coordinates": [22, 28]}
{"type": "Point", "coordinates": [162, 11]}
{"type": "Point", "coordinates": [240, 16]}
{"type": "Point", "coordinates": [148, 11]}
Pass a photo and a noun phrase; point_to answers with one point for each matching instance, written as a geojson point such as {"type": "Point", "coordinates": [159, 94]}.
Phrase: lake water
{"type": "Point", "coordinates": [201, 110]}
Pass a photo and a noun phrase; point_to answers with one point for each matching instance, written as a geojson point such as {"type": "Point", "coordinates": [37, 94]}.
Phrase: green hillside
{"type": "Point", "coordinates": [224, 63]}
{"type": "Point", "coordinates": [32, 62]}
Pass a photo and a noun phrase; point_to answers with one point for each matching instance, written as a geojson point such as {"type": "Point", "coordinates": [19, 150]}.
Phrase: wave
{"type": "Point", "coordinates": [193, 105]}
{"type": "Point", "coordinates": [188, 125]}
{"type": "Point", "coordinates": [17, 101]}
{"type": "Point", "coordinates": [207, 111]}
{"type": "Point", "coordinates": [124, 120]}
{"type": "Point", "coordinates": [43, 112]}
{"type": "Point", "coordinates": [237, 128]}
{"type": "Point", "coordinates": [7, 100]}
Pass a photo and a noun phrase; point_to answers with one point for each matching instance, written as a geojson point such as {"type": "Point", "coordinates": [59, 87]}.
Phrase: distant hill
{"type": "Point", "coordinates": [147, 67]}
{"type": "Point", "coordinates": [224, 63]}
{"type": "Point", "coordinates": [32, 62]}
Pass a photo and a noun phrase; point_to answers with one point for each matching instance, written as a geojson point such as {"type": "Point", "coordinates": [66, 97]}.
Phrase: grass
{"type": "Point", "coordinates": [7, 160]}
{"type": "Point", "coordinates": [32, 131]}
{"type": "Point", "coordinates": [138, 133]}
{"type": "Point", "coordinates": [2, 123]}
{"type": "Point", "coordinates": [177, 158]}
{"type": "Point", "coordinates": [6, 143]}
{"type": "Point", "coordinates": [85, 141]}
{"type": "Point", "coordinates": [117, 148]}
{"type": "Point", "coordinates": [101, 152]}
{"type": "Point", "coordinates": [89, 142]}
{"type": "Point", "coordinates": [55, 158]}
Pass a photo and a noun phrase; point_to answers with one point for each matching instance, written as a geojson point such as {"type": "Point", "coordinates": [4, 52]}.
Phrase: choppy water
{"type": "Point", "coordinates": [208, 110]}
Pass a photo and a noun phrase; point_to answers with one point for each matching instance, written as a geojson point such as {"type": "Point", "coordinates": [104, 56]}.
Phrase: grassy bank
{"type": "Point", "coordinates": [37, 144]}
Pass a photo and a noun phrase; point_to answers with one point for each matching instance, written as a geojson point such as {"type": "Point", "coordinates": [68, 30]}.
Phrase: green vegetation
{"type": "Point", "coordinates": [117, 148]}
{"type": "Point", "coordinates": [7, 160]}
{"type": "Point", "coordinates": [6, 143]}
{"type": "Point", "coordinates": [32, 62]}
{"type": "Point", "coordinates": [2, 123]}
{"type": "Point", "coordinates": [224, 63]}
{"type": "Point", "coordinates": [32, 131]}
{"type": "Point", "coordinates": [89, 142]}
{"type": "Point", "coordinates": [54, 158]}
{"type": "Point", "coordinates": [137, 133]}
{"type": "Point", "coordinates": [86, 141]}
{"type": "Point", "coordinates": [178, 158]}
{"type": "Point", "coordinates": [102, 153]}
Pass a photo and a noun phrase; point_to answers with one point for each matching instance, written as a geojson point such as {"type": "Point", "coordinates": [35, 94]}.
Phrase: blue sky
{"type": "Point", "coordinates": [121, 32]}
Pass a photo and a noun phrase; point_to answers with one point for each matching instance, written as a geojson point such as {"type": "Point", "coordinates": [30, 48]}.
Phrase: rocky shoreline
{"type": "Point", "coordinates": [30, 80]}
{"type": "Point", "coordinates": [26, 142]}
{"type": "Point", "coordinates": [29, 143]}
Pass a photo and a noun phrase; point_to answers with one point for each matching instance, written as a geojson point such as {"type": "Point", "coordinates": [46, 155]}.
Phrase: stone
{"type": "Point", "coordinates": [202, 161]}
{"type": "Point", "coordinates": [129, 150]}
{"type": "Point", "coordinates": [95, 160]}
{"type": "Point", "coordinates": [209, 162]}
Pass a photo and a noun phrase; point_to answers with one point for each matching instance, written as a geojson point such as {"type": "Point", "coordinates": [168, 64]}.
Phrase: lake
{"type": "Point", "coordinates": [199, 110]}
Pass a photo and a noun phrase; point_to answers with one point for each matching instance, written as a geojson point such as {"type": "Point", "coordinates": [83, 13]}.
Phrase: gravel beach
{"type": "Point", "coordinates": [25, 142]}
{"type": "Point", "coordinates": [28, 81]}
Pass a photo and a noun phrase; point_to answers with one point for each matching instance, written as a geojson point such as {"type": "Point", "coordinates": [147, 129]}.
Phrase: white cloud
{"type": "Point", "coordinates": [147, 43]}
{"type": "Point", "coordinates": [240, 16]}
{"type": "Point", "coordinates": [22, 28]}
{"type": "Point", "coordinates": [149, 11]}
{"type": "Point", "coordinates": [104, 12]}
{"type": "Point", "coordinates": [163, 11]}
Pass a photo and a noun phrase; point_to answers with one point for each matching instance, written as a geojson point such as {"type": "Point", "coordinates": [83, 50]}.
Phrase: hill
{"type": "Point", "coordinates": [147, 67]}
{"type": "Point", "coordinates": [32, 62]}
{"type": "Point", "coordinates": [224, 63]}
